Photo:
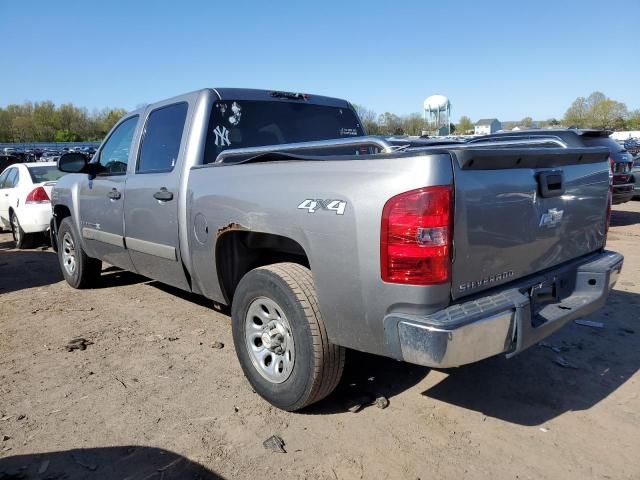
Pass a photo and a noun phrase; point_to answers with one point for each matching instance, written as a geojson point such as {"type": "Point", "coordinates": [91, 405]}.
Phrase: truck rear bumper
{"type": "Point", "coordinates": [508, 321]}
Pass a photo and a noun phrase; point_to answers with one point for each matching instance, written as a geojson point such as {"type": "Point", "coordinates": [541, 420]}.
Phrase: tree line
{"type": "Point", "coordinates": [46, 122]}
{"type": "Point", "coordinates": [595, 111]}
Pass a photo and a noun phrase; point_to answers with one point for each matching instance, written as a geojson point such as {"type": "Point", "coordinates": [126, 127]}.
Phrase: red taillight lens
{"type": "Point", "coordinates": [37, 195]}
{"type": "Point", "coordinates": [415, 238]}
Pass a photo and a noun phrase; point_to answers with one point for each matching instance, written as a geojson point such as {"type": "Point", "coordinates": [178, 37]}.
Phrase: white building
{"type": "Point", "coordinates": [486, 126]}
{"type": "Point", "coordinates": [625, 135]}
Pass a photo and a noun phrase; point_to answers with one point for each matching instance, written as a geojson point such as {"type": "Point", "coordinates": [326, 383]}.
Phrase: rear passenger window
{"type": "Point", "coordinates": [161, 140]}
{"type": "Point", "coordinates": [3, 177]}
{"type": "Point", "coordinates": [12, 178]}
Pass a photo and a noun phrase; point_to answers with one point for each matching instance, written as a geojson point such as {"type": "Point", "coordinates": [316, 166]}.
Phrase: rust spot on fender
{"type": "Point", "coordinates": [231, 227]}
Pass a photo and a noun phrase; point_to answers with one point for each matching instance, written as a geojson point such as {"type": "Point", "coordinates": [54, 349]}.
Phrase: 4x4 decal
{"type": "Point", "coordinates": [313, 205]}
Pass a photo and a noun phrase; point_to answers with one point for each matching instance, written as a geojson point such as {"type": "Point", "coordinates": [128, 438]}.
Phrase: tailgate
{"type": "Point", "coordinates": [518, 212]}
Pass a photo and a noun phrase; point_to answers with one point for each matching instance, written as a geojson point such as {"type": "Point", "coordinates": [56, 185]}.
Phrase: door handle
{"type": "Point", "coordinates": [163, 195]}
{"type": "Point", "coordinates": [552, 183]}
{"type": "Point", "coordinates": [114, 194]}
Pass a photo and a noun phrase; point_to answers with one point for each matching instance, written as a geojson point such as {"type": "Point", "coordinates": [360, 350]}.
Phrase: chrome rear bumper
{"type": "Point", "coordinates": [504, 321]}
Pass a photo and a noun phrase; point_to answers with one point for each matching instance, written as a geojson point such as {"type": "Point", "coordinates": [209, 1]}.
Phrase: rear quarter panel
{"type": "Point", "coordinates": [343, 250]}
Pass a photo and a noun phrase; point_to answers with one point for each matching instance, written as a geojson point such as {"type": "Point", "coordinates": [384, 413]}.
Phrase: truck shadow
{"type": "Point", "coordinates": [116, 277]}
{"type": "Point", "coordinates": [623, 218]}
{"type": "Point", "coordinates": [21, 269]}
{"type": "Point", "coordinates": [533, 388]}
{"type": "Point", "coordinates": [367, 377]}
{"type": "Point", "coordinates": [105, 463]}
{"type": "Point", "coordinates": [38, 267]}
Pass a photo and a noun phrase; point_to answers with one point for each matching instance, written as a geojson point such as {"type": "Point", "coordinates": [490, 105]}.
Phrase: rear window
{"type": "Point", "coordinates": [47, 173]}
{"type": "Point", "coordinates": [240, 124]}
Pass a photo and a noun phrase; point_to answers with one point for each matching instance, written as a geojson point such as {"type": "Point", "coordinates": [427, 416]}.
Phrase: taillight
{"type": "Point", "coordinates": [415, 238]}
{"type": "Point", "coordinates": [37, 195]}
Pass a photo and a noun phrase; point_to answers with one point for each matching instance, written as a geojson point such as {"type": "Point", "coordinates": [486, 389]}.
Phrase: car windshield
{"type": "Point", "coordinates": [240, 124]}
{"type": "Point", "coordinates": [45, 173]}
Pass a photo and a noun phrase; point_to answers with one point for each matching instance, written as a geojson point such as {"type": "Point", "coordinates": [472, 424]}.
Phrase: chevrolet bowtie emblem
{"type": "Point", "coordinates": [552, 218]}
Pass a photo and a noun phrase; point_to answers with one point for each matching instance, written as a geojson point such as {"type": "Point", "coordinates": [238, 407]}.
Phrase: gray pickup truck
{"type": "Point", "coordinates": [322, 238]}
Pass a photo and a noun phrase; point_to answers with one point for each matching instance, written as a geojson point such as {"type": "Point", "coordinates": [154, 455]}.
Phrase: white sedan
{"type": "Point", "coordinates": [25, 205]}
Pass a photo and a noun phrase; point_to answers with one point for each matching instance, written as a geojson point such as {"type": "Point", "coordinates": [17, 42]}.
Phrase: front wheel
{"type": "Point", "coordinates": [79, 270]}
{"type": "Point", "coordinates": [280, 337]}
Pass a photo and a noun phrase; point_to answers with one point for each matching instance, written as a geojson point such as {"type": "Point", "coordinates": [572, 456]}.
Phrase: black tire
{"type": "Point", "coordinates": [318, 364]}
{"type": "Point", "coordinates": [86, 270]}
{"type": "Point", "coordinates": [21, 239]}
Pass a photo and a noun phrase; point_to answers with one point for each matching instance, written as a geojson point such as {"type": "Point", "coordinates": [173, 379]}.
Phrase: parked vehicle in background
{"type": "Point", "coordinates": [275, 203]}
{"type": "Point", "coordinates": [636, 176]}
{"type": "Point", "coordinates": [25, 206]}
{"type": "Point", "coordinates": [620, 160]}
{"type": "Point", "coordinates": [632, 145]}
{"type": "Point", "coordinates": [49, 156]}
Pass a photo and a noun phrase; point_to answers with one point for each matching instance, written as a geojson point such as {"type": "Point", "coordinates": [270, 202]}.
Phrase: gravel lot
{"type": "Point", "coordinates": [152, 398]}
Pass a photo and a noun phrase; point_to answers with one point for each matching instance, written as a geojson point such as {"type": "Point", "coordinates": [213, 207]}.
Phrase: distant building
{"type": "Point", "coordinates": [625, 135]}
{"type": "Point", "coordinates": [486, 126]}
{"type": "Point", "coordinates": [534, 126]}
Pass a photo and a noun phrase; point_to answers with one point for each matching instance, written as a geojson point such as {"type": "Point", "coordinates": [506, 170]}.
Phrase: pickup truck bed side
{"type": "Point", "coordinates": [248, 198]}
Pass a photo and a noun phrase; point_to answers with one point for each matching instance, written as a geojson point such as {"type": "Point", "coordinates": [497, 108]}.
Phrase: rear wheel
{"type": "Point", "coordinates": [22, 240]}
{"type": "Point", "coordinates": [280, 337]}
{"type": "Point", "coordinates": [79, 270]}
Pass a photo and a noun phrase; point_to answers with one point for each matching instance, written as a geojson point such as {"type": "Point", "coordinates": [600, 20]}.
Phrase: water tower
{"type": "Point", "coordinates": [437, 114]}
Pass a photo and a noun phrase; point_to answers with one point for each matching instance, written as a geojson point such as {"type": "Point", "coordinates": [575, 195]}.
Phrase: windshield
{"type": "Point", "coordinates": [45, 173]}
{"type": "Point", "coordinates": [240, 124]}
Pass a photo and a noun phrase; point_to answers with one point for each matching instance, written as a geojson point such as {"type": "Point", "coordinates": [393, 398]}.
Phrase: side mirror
{"type": "Point", "coordinates": [73, 162]}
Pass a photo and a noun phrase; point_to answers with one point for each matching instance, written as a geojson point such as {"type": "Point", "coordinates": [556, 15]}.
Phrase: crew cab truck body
{"type": "Point", "coordinates": [439, 255]}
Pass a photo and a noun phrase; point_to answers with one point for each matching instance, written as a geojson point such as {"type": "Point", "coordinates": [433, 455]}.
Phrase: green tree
{"type": "Point", "coordinates": [597, 111]}
{"type": "Point", "coordinates": [390, 124]}
{"type": "Point", "coordinates": [633, 120]}
{"type": "Point", "coordinates": [5, 126]}
{"type": "Point", "coordinates": [576, 114]}
{"type": "Point", "coordinates": [526, 122]}
{"type": "Point", "coordinates": [44, 122]}
{"type": "Point", "coordinates": [608, 113]}
{"type": "Point", "coordinates": [368, 119]}
{"type": "Point", "coordinates": [413, 124]}
{"type": "Point", "coordinates": [465, 125]}
{"type": "Point", "coordinates": [44, 125]}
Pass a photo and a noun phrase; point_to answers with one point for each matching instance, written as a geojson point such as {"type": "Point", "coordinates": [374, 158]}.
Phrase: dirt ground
{"type": "Point", "coordinates": [150, 398]}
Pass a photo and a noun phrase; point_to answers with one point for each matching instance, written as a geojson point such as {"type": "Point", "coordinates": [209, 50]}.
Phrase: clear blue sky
{"type": "Point", "coordinates": [506, 59]}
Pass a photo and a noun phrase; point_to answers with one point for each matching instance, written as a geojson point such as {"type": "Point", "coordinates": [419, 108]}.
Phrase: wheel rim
{"type": "Point", "coordinates": [269, 340]}
{"type": "Point", "coordinates": [68, 253]}
{"type": "Point", "coordinates": [15, 228]}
